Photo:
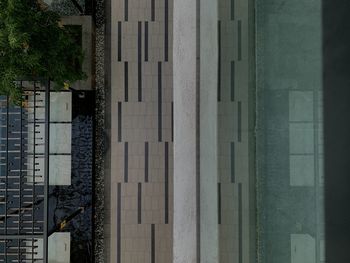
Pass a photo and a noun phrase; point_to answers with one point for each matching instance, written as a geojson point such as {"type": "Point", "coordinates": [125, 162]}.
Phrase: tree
{"type": "Point", "coordinates": [33, 44]}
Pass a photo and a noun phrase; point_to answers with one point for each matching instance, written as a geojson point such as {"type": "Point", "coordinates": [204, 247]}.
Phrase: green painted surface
{"type": "Point", "coordinates": [289, 134]}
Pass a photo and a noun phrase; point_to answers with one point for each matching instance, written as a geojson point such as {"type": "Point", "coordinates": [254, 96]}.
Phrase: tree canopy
{"type": "Point", "coordinates": [33, 44]}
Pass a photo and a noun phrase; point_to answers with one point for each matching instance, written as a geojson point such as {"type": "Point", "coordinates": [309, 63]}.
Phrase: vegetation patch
{"type": "Point", "coordinates": [35, 45]}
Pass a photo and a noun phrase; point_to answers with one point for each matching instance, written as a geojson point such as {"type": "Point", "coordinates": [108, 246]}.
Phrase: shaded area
{"type": "Point", "coordinates": [69, 199]}
{"type": "Point", "coordinates": [336, 81]}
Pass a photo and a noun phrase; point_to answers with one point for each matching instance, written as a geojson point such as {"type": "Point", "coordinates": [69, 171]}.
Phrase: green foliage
{"type": "Point", "coordinates": [34, 45]}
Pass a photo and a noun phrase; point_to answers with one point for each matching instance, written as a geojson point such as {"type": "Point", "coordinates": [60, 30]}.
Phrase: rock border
{"type": "Point", "coordinates": [100, 142]}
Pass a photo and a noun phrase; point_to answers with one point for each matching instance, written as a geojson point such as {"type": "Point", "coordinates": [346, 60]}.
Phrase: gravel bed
{"type": "Point", "coordinates": [66, 8]}
{"type": "Point", "coordinates": [100, 132]}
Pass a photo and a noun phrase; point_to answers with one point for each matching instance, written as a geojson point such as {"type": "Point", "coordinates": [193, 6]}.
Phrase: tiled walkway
{"type": "Point", "coordinates": [141, 132]}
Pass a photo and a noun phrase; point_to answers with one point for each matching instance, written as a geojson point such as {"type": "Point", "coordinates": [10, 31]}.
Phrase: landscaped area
{"type": "Point", "coordinates": [48, 132]}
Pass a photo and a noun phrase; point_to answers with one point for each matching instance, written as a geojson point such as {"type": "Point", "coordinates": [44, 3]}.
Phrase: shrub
{"type": "Point", "coordinates": [33, 44]}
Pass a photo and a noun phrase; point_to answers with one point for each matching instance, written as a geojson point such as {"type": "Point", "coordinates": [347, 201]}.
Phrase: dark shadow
{"type": "Point", "coordinates": [336, 81]}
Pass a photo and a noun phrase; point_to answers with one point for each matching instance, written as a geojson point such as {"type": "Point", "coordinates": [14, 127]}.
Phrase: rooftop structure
{"type": "Point", "coordinates": [24, 175]}
{"type": "Point", "coordinates": [46, 157]}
